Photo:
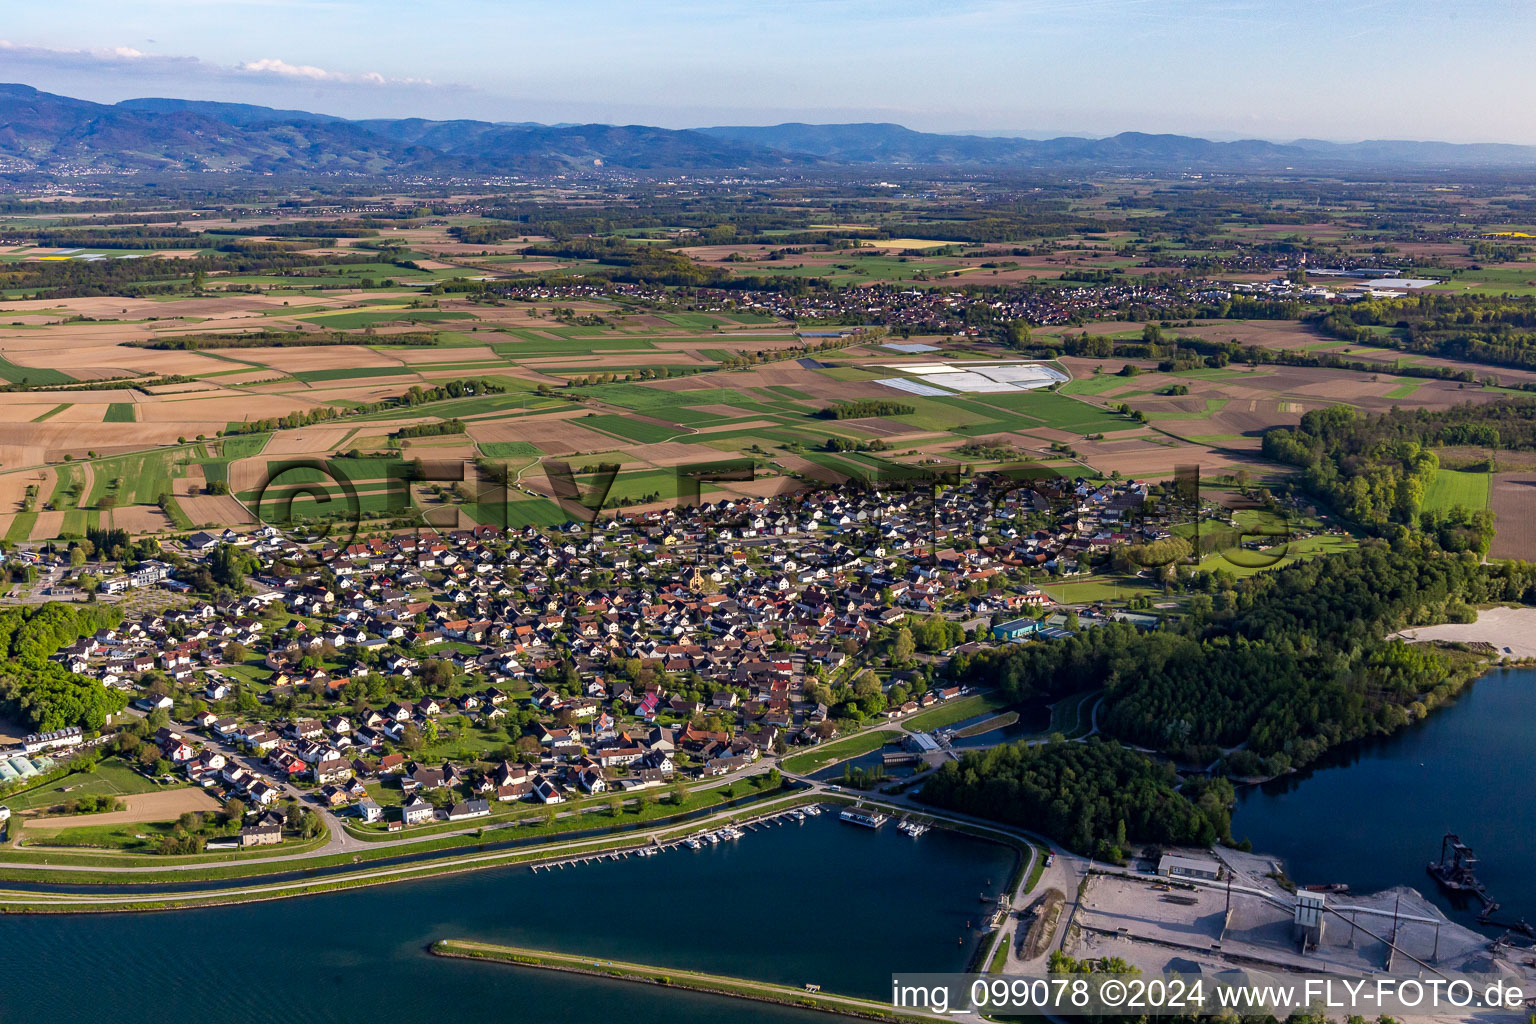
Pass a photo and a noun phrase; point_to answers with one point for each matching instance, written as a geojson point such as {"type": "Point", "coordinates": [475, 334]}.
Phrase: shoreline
{"type": "Point", "coordinates": [1510, 631]}
{"type": "Point", "coordinates": [613, 846]}
{"type": "Point", "coordinates": [26, 902]}
{"type": "Point", "coordinates": [687, 980]}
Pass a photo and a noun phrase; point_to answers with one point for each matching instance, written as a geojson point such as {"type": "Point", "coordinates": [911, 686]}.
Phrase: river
{"type": "Point", "coordinates": [820, 902]}
{"type": "Point", "coordinates": [824, 902]}
{"type": "Point", "coordinates": [1372, 815]}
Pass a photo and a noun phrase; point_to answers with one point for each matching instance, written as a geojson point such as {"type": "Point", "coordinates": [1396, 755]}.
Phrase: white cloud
{"type": "Point", "coordinates": [308, 72]}
{"type": "Point", "coordinates": [124, 57]}
{"type": "Point", "coordinates": [105, 55]}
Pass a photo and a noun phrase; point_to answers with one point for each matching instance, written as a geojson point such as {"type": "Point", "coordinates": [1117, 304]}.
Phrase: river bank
{"type": "Point", "coordinates": [808, 997]}
{"type": "Point", "coordinates": [1371, 813]}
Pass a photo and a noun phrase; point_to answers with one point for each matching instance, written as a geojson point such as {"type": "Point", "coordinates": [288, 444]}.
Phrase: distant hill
{"type": "Point", "coordinates": [893, 144]}
{"type": "Point", "coordinates": [49, 134]}
{"type": "Point", "coordinates": [230, 113]}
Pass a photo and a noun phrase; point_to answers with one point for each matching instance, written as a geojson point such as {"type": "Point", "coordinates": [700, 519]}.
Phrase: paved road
{"type": "Point", "coordinates": [339, 841]}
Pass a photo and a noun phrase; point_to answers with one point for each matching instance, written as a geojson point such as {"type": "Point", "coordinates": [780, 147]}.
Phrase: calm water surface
{"type": "Point", "coordinates": [820, 902]}
{"type": "Point", "coordinates": [1373, 816]}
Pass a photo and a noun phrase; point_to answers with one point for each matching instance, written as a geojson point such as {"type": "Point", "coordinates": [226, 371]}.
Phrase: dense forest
{"type": "Point", "coordinates": [1368, 477]}
{"type": "Point", "coordinates": [1094, 797]}
{"type": "Point", "coordinates": [1375, 469]}
{"type": "Point", "coordinates": [1283, 664]}
{"type": "Point", "coordinates": [43, 694]}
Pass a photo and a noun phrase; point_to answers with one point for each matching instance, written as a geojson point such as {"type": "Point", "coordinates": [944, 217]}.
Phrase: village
{"type": "Point", "coordinates": [635, 653]}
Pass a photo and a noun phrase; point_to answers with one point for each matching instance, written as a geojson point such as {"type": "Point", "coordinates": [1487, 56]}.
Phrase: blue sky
{"type": "Point", "coordinates": [1279, 69]}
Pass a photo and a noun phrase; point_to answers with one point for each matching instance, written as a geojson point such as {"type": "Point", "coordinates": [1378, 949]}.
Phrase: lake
{"type": "Point", "coordinates": [1373, 815]}
{"type": "Point", "coordinates": [821, 902]}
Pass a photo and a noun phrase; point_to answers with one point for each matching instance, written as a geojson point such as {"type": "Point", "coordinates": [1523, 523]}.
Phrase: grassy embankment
{"type": "Point", "coordinates": [646, 807]}
{"type": "Point", "coordinates": [694, 981]}
{"type": "Point", "coordinates": [474, 857]}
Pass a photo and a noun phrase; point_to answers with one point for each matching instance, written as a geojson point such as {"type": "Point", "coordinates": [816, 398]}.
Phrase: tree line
{"type": "Point", "coordinates": [417, 395]}
{"type": "Point", "coordinates": [280, 339]}
{"type": "Point", "coordinates": [1283, 664]}
{"type": "Point", "coordinates": [1375, 469]}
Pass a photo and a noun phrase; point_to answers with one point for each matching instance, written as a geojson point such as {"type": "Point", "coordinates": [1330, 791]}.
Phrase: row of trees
{"type": "Point", "coordinates": [281, 339]}
{"type": "Point", "coordinates": [417, 395]}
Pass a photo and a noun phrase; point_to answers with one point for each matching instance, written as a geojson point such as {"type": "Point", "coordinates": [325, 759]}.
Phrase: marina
{"type": "Point", "coordinates": [383, 935]}
{"type": "Point", "coordinates": [858, 816]}
{"type": "Point", "coordinates": [730, 833]}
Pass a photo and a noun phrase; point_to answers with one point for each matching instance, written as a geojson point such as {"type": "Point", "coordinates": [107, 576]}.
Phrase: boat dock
{"type": "Point", "coordinates": [859, 816]}
{"type": "Point", "coordinates": [697, 841]}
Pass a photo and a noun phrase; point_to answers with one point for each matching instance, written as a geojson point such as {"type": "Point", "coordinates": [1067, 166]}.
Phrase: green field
{"type": "Point", "coordinates": [838, 750]}
{"type": "Point", "coordinates": [1406, 390]}
{"type": "Point", "coordinates": [640, 485]}
{"type": "Point", "coordinates": [854, 269]}
{"type": "Point", "coordinates": [697, 321]}
{"type": "Point", "coordinates": [510, 449]}
{"type": "Point", "coordinates": [1091, 591]}
{"type": "Point", "coordinates": [13, 374]}
{"type": "Point", "coordinates": [953, 711]}
{"type": "Point", "coordinates": [120, 412]}
{"type": "Point", "coordinates": [1095, 385]}
{"type": "Point", "coordinates": [243, 445]}
{"type": "Point", "coordinates": [1452, 487]}
{"type": "Point", "coordinates": [21, 527]}
{"type": "Point", "coordinates": [640, 431]}
{"type": "Point", "coordinates": [137, 479]}
{"type": "Point", "coordinates": [130, 837]}
{"type": "Point", "coordinates": [68, 482]}
{"type": "Point", "coordinates": [529, 512]}
{"type": "Point", "coordinates": [1245, 563]}
{"type": "Point", "coordinates": [1059, 411]}
{"type": "Point", "coordinates": [360, 319]}
{"type": "Point", "coordinates": [353, 373]}
{"type": "Point", "coordinates": [111, 777]}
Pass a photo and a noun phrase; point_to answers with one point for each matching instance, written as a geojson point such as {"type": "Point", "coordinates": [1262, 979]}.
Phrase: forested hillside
{"type": "Point", "coordinates": [44, 694]}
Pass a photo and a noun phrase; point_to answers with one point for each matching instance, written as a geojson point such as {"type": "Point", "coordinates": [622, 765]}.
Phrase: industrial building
{"type": "Point", "coordinates": [1017, 629]}
{"type": "Point", "coordinates": [1174, 866]}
